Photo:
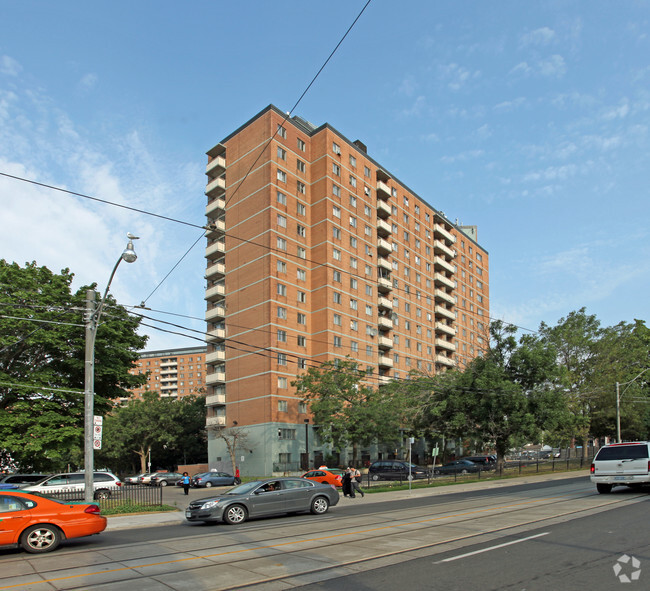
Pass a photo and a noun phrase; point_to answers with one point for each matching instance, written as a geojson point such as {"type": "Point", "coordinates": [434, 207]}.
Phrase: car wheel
{"type": "Point", "coordinates": [163, 483]}
{"type": "Point", "coordinates": [238, 481]}
{"type": "Point", "coordinates": [40, 538]}
{"type": "Point", "coordinates": [208, 485]}
{"type": "Point", "coordinates": [375, 477]}
{"type": "Point", "coordinates": [436, 471]}
{"type": "Point", "coordinates": [463, 471]}
{"type": "Point", "coordinates": [102, 494]}
{"type": "Point", "coordinates": [235, 514]}
{"type": "Point", "coordinates": [320, 505]}
{"type": "Point", "coordinates": [603, 488]}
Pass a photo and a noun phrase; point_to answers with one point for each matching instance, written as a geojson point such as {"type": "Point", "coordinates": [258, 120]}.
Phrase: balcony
{"type": "Point", "coordinates": [441, 295]}
{"type": "Point", "coordinates": [215, 356]}
{"type": "Point", "coordinates": [384, 380]}
{"type": "Point", "coordinates": [444, 264]}
{"type": "Point", "coordinates": [383, 210]}
{"type": "Point", "coordinates": [385, 323]}
{"type": "Point", "coordinates": [215, 271]}
{"type": "Point", "coordinates": [384, 285]}
{"type": "Point", "coordinates": [383, 190]}
{"type": "Point", "coordinates": [215, 250]}
{"type": "Point", "coordinates": [215, 206]}
{"type": "Point", "coordinates": [217, 227]}
{"type": "Point", "coordinates": [215, 378]}
{"type": "Point", "coordinates": [443, 344]}
{"type": "Point", "coordinates": [385, 361]}
{"type": "Point", "coordinates": [384, 263]}
{"type": "Point", "coordinates": [442, 311]}
{"type": "Point", "coordinates": [215, 292]}
{"type": "Point", "coordinates": [384, 247]}
{"type": "Point", "coordinates": [385, 343]}
{"type": "Point", "coordinates": [445, 328]}
{"type": "Point", "coordinates": [444, 360]}
{"type": "Point", "coordinates": [215, 421]}
{"type": "Point", "coordinates": [216, 313]}
{"type": "Point", "coordinates": [216, 334]}
{"type": "Point", "coordinates": [216, 187]}
{"type": "Point", "coordinates": [216, 166]}
{"type": "Point", "coordinates": [440, 279]}
{"type": "Point", "coordinates": [215, 399]}
{"type": "Point", "coordinates": [169, 364]}
{"type": "Point", "coordinates": [439, 247]}
{"type": "Point", "coordinates": [384, 229]}
{"type": "Point", "coordinates": [440, 230]}
{"type": "Point", "coordinates": [385, 304]}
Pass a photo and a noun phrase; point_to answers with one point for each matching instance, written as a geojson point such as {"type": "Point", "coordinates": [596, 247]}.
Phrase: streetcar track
{"type": "Point", "coordinates": [282, 545]}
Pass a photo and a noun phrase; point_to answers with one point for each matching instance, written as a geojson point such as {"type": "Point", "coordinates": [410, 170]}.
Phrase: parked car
{"type": "Point", "coordinates": [38, 524]}
{"type": "Point", "coordinates": [133, 479]}
{"type": "Point", "coordinates": [209, 479]}
{"type": "Point", "coordinates": [264, 497]}
{"type": "Point", "coordinates": [486, 462]}
{"type": "Point", "coordinates": [71, 485]}
{"type": "Point", "coordinates": [164, 478]}
{"type": "Point", "coordinates": [146, 477]}
{"type": "Point", "coordinates": [332, 476]}
{"type": "Point", "coordinates": [617, 464]}
{"type": "Point", "coordinates": [22, 478]}
{"type": "Point", "coordinates": [457, 467]}
{"type": "Point", "coordinates": [396, 470]}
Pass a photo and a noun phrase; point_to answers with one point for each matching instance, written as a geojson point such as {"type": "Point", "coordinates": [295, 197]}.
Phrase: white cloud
{"type": "Point", "coordinates": [554, 66]}
{"type": "Point", "coordinates": [416, 108]}
{"type": "Point", "coordinates": [619, 112]}
{"type": "Point", "coordinates": [457, 76]}
{"type": "Point", "coordinates": [539, 37]}
{"type": "Point", "coordinates": [87, 82]}
{"type": "Point", "coordinates": [522, 68]}
{"type": "Point", "coordinates": [9, 66]}
{"type": "Point", "coordinates": [462, 157]}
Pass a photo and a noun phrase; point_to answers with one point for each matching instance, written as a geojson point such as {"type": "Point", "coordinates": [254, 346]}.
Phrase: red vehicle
{"type": "Point", "coordinates": [331, 476]}
{"type": "Point", "coordinates": [38, 524]}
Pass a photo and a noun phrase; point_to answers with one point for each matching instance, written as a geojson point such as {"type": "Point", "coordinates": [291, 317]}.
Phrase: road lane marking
{"type": "Point", "coordinates": [492, 548]}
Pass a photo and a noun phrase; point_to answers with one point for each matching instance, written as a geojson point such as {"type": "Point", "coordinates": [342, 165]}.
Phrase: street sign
{"type": "Point", "coordinates": [97, 443]}
{"type": "Point", "coordinates": [97, 420]}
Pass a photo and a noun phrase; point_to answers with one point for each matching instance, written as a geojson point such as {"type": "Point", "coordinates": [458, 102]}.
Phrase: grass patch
{"type": "Point", "coordinates": [129, 506]}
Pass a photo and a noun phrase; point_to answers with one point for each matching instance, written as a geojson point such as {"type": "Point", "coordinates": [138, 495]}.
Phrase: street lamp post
{"type": "Point", "coordinates": [92, 322]}
{"type": "Point", "coordinates": [307, 442]}
{"type": "Point", "coordinates": [618, 402]}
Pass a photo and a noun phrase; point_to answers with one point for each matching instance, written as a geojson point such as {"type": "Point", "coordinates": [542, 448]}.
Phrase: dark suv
{"type": "Point", "coordinates": [396, 470]}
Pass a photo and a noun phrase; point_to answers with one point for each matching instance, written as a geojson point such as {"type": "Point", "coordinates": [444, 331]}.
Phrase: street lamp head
{"type": "Point", "coordinates": [129, 255]}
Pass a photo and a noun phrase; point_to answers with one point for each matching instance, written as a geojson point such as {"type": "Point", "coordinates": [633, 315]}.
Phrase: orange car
{"type": "Point", "coordinates": [38, 524]}
{"type": "Point", "coordinates": [331, 476]}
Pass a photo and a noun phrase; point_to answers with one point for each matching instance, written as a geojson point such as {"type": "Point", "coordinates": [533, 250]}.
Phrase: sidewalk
{"type": "Point", "coordinates": [118, 522]}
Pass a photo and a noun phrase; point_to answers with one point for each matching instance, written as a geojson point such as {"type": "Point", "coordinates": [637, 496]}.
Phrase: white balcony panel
{"type": "Point", "coordinates": [383, 209]}
{"type": "Point", "coordinates": [215, 399]}
{"type": "Point", "coordinates": [384, 263]}
{"type": "Point", "coordinates": [216, 166]}
{"type": "Point", "coordinates": [385, 361]}
{"type": "Point", "coordinates": [215, 250]}
{"type": "Point", "coordinates": [439, 229]}
{"type": "Point", "coordinates": [384, 247]}
{"type": "Point", "coordinates": [215, 313]}
{"type": "Point", "coordinates": [384, 284]}
{"type": "Point", "coordinates": [384, 228]}
{"type": "Point", "coordinates": [215, 271]}
{"type": "Point", "coordinates": [385, 303]}
{"type": "Point", "coordinates": [442, 311]}
{"type": "Point", "coordinates": [442, 344]}
{"type": "Point", "coordinates": [215, 378]}
{"type": "Point", "coordinates": [385, 323]}
{"type": "Point", "coordinates": [215, 421]}
{"type": "Point", "coordinates": [445, 361]}
{"type": "Point", "coordinates": [385, 343]}
{"type": "Point", "coordinates": [444, 264]}
{"type": "Point", "coordinates": [439, 278]}
{"type": "Point", "coordinates": [216, 187]}
{"type": "Point", "coordinates": [218, 334]}
{"type": "Point", "coordinates": [215, 356]}
{"type": "Point", "coordinates": [439, 246]}
{"type": "Point", "coordinates": [445, 328]}
{"type": "Point", "coordinates": [215, 207]}
{"type": "Point", "coordinates": [383, 190]}
{"type": "Point", "coordinates": [443, 295]}
{"type": "Point", "coordinates": [215, 290]}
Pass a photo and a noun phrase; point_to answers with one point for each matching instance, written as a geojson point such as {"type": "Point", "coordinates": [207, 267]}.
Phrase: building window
{"type": "Point", "coordinates": [281, 243]}
{"type": "Point", "coordinates": [336, 233]}
{"type": "Point", "coordinates": [353, 222]}
{"type": "Point", "coordinates": [302, 253]}
{"type": "Point", "coordinates": [337, 320]}
{"type": "Point", "coordinates": [336, 190]}
{"type": "Point", "coordinates": [302, 407]}
{"type": "Point", "coordinates": [302, 364]}
{"type": "Point", "coordinates": [337, 297]}
{"type": "Point", "coordinates": [353, 304]}
{"type": "Point", "coordinates": [369, 350]}
{"type": "Point", "coordinates": [336, 211]}
{"type": "Point", "coordinates": [301, 145]}
{"type": "Point", "coordinates": [353, 283]}
{"type": "Point", "coordinates": [282, 132]}
{"type": "Point", "coordinates": [283, 406]}
{"type": "Point", "coordinates": [282, 382]}
{"type": "Point", "coordinates": [301, 230]}
{"type": "Point", "coordinates": [366, 171]}
{"type": "Point", "coordinates": [282, 176]}
{"type": "Point", "coordinates": [281, 266]}
{"type": "Point", "coordinates": [282, 359]}
{"type": "Point", "coordinates": [301, 209]}
{"type": "Point", "coordinates": [353, 181]}
{"type": "Point", "coordinates": [300, 187]}
{"type": "Point", "coordinates": [336, 169]}
{"type": "Point", "coordinates": [354, 325]}
{"type": "Point", "coordinates": [301, 274]}
{"type": "Point", "coordinates": [287, 434]}
{"type": "Point", "coordinates": [353, 263]}
{"type": "Point", "coordinates": [336, 148]}
{"type": "Point", "coordinates": [282, 153]}
{"type": "Point", "coordinates": [354, 346]}
{"type": "Point", "coordinates": [281, 198]}
{"type": "Point", "coordinates": [282, 290]}
{"type": "Point", "coordinates": [282, 336]}
{"type": "Point", "coordinates": [353, 242]}
{"type": "Point", "coordinates": [353, 161]}
{"type": "Point", "coordinates": [282, 221]}
{"type": "Point", "coordinates": [367, 211]}
{"type": "Point", "coordinates": [300, 165]}
{"type": "Point", "coordinates": [336, 254]}
{"type": "Point", "coordinates": [353, 201]}
{"type": "Point", "coordinates": [302, 297]}
{"type": "Point", "coordinates": [302, 341]}
{"type": "Point", "coordinates": [282, 313]}
{"type": "Point", "coordinates": [302, 318]}
{"type": "Point", "coordinates": [368, 310]}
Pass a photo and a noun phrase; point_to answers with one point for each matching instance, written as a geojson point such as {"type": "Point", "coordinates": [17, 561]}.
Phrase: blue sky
{"type": "Point", "coordinates": [530, 120]}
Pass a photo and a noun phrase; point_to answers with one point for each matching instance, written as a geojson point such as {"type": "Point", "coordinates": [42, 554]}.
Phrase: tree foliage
{"type": "Point", "coordinates": [346, 410]}
{"type": "Point", "coordinates": [172, 431]}
{"type": "Point", "coordinates": [42, 351]}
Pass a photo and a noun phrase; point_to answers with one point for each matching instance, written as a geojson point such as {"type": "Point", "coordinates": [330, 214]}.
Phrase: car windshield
{"type": "Point", "coordinates": [623, 452]}
{"type": "Point", "coordinates": [243, 489]}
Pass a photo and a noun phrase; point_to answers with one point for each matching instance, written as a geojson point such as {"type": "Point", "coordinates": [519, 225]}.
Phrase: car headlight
{"type": "Point", "coordinates": [210, 504]}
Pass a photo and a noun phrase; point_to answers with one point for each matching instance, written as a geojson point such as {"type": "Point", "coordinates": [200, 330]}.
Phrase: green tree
{"type": "Point", "coordinates": [172, 431]}
{"type": "Point", "coordinates": [42, 350]}
{"type": "Point", "coordinates": [346, 410]}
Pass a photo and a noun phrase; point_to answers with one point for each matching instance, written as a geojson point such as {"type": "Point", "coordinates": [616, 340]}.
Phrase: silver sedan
{"type": "Point", "coordinates": [264, 497]}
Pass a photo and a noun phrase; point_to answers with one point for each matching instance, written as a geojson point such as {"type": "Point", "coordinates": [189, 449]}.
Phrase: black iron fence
{"type": "Point", "coordinates": [135, 496]}
{"type": "Point", "coordinates": [509, 469]}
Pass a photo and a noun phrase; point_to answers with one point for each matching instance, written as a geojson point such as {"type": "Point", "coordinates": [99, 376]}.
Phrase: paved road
{"type": "Point", "coordinates": [354, 540]}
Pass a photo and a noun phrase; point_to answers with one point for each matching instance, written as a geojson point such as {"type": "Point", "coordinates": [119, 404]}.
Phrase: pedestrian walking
{"type": "Point", "coordinates": [346, 484]}
{"type": "Point", "coordinates": [237, 478]}
{"type": "Point", "coordinates": [185, 482]}
{"type": "Point", "coordinates": [356, 481]}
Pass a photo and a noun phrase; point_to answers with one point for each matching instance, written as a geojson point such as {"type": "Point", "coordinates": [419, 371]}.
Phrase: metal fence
{"type": "Point", "coordinates": [124, 495]}
{"type": "Point", "coordinates": [508, 470]}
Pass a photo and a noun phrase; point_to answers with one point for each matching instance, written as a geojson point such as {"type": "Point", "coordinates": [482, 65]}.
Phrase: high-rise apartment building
{"type": "Point", "coordinates": [173, 373]}
{"type": "Point", "coordinates": [317, 252]}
